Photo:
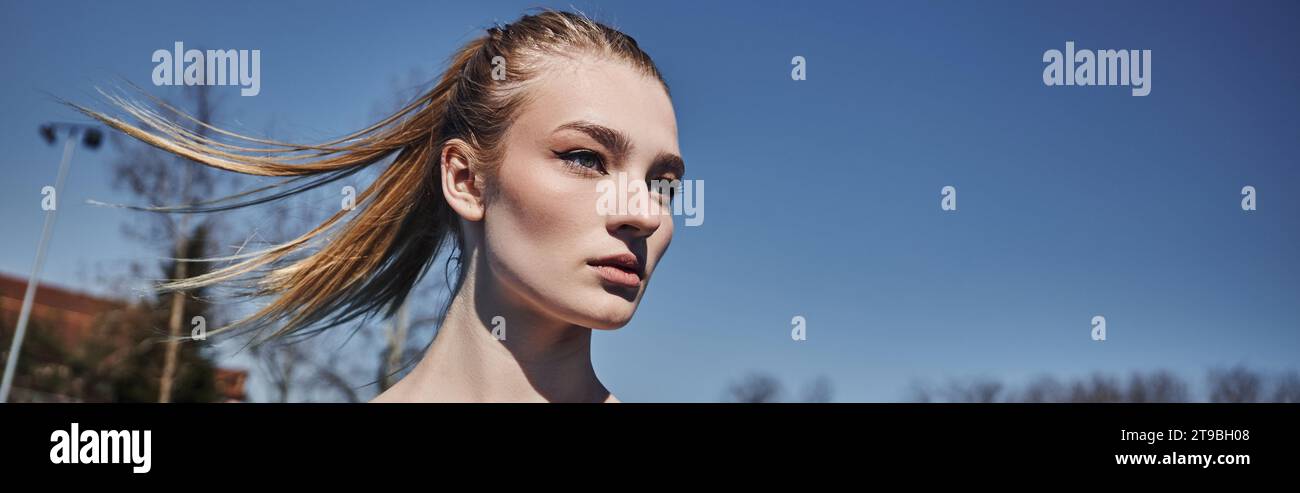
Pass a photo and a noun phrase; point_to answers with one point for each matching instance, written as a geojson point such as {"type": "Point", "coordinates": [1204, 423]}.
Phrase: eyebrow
{"type": "Point", "coordinates": [670, 162]}
{"type": "Point", "coordinates": [618, 143]}
{"type": "Point", "coordinates": [613, 140]}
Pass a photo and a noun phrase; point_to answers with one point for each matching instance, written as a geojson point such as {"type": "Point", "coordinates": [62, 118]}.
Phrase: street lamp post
{"type": "Point", "coordinates": [91, 138]}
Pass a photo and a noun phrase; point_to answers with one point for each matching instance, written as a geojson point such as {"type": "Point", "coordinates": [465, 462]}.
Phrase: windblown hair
{"type": "Point", "coordinates": [367, 260]}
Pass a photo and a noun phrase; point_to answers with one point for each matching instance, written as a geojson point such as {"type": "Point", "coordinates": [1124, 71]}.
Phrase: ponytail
{"type": "Point", "coordinates": [363, 264]}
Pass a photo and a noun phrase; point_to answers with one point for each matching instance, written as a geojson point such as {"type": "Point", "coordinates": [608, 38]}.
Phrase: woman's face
{"type": "Point", "coordinates": [549, 243]}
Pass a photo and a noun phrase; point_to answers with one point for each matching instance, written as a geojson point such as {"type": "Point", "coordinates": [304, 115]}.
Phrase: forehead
{"type": "Point", "coordinates": [603, 91]}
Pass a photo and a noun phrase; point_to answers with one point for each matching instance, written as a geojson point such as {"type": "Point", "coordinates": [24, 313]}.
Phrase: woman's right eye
{"type": "Point", "coordinates": [583, 159]}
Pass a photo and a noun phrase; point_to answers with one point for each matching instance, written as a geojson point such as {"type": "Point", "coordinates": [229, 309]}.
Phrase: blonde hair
{"type": "Point", "coordinates": [401, 221]}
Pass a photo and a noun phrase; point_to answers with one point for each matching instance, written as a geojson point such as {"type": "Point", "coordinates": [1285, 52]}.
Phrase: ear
{"type": "Point", "coordinates": [461, 186]}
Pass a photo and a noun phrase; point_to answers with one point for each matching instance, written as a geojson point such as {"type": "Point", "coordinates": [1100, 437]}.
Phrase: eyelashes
{"type": "Point", "coordinates": [583, 160]}
{"type": "Point", "coordinates": [587, 162]}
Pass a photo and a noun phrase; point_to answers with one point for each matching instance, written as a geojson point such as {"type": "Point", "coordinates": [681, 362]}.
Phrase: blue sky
{"type": "Point", "coordinates": [823, 194]}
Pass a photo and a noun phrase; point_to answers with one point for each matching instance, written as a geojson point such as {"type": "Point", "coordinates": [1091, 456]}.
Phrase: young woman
{"type": "Point", "coordinates": [503, 160]}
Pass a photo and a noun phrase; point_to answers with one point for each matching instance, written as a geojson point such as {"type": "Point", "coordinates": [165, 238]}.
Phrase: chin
{"type": "Point", "coordinates": [609, 313]}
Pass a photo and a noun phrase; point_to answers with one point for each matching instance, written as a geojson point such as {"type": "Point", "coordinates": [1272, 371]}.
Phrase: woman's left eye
{"type": "Point", "coordinates": [583, 159]}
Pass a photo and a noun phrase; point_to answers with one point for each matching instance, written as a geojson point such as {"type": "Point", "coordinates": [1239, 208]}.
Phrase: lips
{"type": "Point", "coordinates": [623, 269]}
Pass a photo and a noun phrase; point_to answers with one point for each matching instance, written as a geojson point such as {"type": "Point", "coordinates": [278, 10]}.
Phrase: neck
{"type": "Point", "coordinates": [539, 359]}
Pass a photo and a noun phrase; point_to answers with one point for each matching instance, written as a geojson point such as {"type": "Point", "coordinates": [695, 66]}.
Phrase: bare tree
{"type": "Point", "coordinates": [980, 390]}
{"type": "Point", "coordinates": [311, 366]}
{"type": "Point", "coordinates": [1236, 384]}
{"type": "Point", "coordinates": [278, 367]}
{"type": "Point", "coordinates": [292, 370]}
{"type": "Point", "coordinates": [763, 388]}
{"type": "Point", "coordinates": [297, 371]}
{"type": "Point", "coordinates": [1158, 386]}
{"type": "Point", "coordinates": [755, 388]}
{"type": "Point", "coordinates": [162, 179]}
{"type": "Point", "coordinates": [1096, 388]}
{"type": "Point", "coordinates": [1043, 389]}
{"type": "Point", "coordinates": [974, 390]}
{"type": "Point", "coordinates": [1288, 388]}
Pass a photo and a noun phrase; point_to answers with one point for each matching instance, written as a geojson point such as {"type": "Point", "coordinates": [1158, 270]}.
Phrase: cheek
{"type": "Point", "coordinates": [538, 216]}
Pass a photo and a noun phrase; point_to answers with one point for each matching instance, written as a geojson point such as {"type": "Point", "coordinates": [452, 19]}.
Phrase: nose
{"type": "Point", "coordinates": [641, 218]}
